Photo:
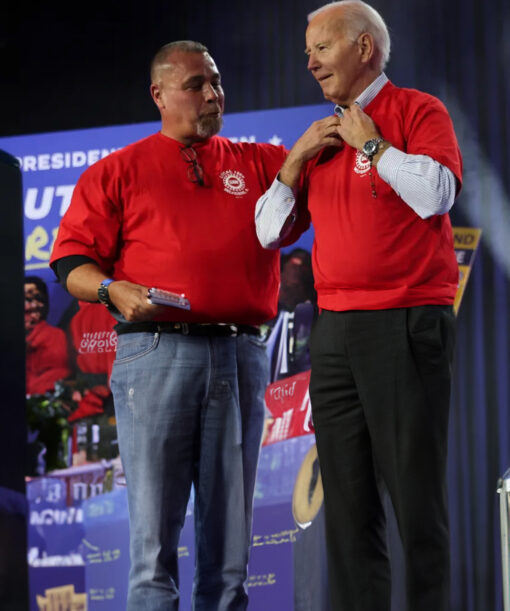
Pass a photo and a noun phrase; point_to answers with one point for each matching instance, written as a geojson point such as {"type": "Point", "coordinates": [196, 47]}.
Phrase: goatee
{"type": "Point", "coordinates": [209, 125]}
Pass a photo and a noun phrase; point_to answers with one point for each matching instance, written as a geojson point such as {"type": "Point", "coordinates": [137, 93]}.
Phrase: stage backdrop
{"type": "Point", "coordinates": [479, 452]}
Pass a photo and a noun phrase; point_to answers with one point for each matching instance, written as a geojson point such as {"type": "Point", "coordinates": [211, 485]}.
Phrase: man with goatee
{"type": "Point", "coordinates": [174, 211]}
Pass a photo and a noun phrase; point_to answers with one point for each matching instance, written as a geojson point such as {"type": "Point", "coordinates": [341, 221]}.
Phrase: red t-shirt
{"type": "Point", "coordinates": [139, 216]}
{"type": "Point", "coordinates": [377, 253]}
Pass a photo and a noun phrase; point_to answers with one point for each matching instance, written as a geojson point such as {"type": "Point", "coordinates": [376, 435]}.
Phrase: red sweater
{"type": "Point", "coordinates": [138, 215]}
{"type": "Point", "coordinates": [377, 253]}
{"type": "Point", "coordinates": [46, 358]}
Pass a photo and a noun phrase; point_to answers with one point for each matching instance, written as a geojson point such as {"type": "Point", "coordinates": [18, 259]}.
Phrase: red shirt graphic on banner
{"type": "Point", "coordinates": [93, 338]}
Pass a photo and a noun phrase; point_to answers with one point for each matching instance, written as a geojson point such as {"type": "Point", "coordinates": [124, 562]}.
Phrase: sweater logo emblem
{"type": "Point", "coordinates": [234, 182]}
{"type": "Point", "coordinates": [362, 163]}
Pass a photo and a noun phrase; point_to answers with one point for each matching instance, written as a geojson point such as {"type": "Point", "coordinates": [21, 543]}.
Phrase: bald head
{"type": "Point", "coordinates": [163, 59]}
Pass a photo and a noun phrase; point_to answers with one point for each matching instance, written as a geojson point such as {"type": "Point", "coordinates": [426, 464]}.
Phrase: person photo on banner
{"type": "Point", "coordinates": [169, 220]}
{"type": "Point", "coordinates": [93, 343]}
{"type": "Point", "coordinates": [376, 179]}
{"type": "Point", "coordinates": [47, 356]}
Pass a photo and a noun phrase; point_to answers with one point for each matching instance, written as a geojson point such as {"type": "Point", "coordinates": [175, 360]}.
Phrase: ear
{"type": "Point", "coordinates": [156, 93]}
{"type": "Point", "coordinates": [366, 47]}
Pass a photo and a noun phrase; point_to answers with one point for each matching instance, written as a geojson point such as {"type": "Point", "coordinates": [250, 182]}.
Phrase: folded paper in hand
{"type": "Point", "coordinates": [162, 297]}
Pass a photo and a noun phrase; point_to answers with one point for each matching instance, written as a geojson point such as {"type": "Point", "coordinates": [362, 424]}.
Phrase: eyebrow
{"type": "Point", "coordinates": [199, 79]}
{"type": "Point", "coordinates": [317, 44]}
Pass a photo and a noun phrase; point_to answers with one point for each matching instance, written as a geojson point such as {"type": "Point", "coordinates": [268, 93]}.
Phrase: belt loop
{"type": "Point", "coordinates": [235, 330]}
{"type": "Point", "coordinates": [185, 328]}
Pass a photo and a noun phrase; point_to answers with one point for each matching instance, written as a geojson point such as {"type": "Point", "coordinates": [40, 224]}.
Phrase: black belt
{"type": "Point", "coordinates": [186, 328]}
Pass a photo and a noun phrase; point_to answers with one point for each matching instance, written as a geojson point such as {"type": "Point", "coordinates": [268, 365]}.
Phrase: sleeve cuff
{"type": "Point", "coordinates": [282, 191]}
{"type": "Point", "coordinates": [389, 165]}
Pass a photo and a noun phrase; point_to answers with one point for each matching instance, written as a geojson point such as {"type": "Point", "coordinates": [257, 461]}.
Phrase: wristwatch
{"type": "Point", "coordinates": [371, 147]}
{"type": "Point", "coordinates": [102, 292]}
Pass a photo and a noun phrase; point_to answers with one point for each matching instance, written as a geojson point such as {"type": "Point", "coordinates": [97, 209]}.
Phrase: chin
{"type": "Point", "coordinates": [327, 93]}
{"type": "Point", "coordinates": [333, 97]}
{"type": "Point", "coordinates": [209, 126]}
{"type": "Point", "coordinates": [330, 97]}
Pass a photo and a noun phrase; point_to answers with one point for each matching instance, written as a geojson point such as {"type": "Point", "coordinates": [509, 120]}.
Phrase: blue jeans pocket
{"type": "Point", "coordinates": [132, 346]}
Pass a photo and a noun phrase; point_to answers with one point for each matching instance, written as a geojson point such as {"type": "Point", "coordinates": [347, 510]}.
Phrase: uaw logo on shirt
{"type": "Point", "coordinates": [362, 165]}
{"type": "Point", "coordinates": [234, 182]}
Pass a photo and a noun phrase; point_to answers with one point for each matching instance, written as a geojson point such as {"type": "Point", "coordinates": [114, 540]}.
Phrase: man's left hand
{"type": "Point", "coordinates": [356, 127]}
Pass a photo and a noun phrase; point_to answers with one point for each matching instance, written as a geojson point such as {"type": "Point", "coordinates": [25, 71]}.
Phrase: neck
{"type": "Point", "coordinates": [359, 87]}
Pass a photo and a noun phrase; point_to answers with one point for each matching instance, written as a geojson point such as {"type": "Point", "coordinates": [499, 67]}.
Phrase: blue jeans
{"type": "Point", "coordinates": [189, 410]}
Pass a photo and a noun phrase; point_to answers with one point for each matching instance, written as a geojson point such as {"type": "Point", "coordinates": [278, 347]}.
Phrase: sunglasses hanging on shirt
{"type": "Point", "coordinates": [195, 170]}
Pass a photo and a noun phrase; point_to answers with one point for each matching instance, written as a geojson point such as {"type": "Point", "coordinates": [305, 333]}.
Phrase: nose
{"type": "Point", "coordinates": [210, 93]}
{"type": "Point", "coordinates": [313, 63]}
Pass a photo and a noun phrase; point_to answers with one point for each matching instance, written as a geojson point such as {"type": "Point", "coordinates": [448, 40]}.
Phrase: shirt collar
{"type": "Point", "coordinates": [367, 95]}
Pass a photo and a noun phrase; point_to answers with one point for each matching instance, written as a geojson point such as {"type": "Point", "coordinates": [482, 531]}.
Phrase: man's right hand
{"type": "Point", "coordinates": [320, 134]}
{"type": "Point", "coordinates": [131, 301]}
{"type": "Point", "coordinates": [129, 298]}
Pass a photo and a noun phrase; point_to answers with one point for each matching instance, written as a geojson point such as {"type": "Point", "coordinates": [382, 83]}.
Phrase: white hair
{"type": "Point", "coordinates": [360, 17]}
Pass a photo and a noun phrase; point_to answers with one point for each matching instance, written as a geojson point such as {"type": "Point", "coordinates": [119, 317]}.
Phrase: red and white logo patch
{"type": "Point", "coordinates": [362, 163]}
{"type": "Point", "coordinates": [234, 182]}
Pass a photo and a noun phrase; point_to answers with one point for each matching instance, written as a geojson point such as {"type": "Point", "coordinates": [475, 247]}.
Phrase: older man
{"type": "Point", "coordinates": [174, 211]}
{"type": "Point", "coordinates": [377, 180]}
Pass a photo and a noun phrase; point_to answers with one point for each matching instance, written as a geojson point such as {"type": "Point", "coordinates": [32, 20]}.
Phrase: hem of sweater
{"type": "Point", "coordinates": [351, 299]}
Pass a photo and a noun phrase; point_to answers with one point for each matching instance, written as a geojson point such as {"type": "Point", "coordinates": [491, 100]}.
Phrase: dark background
{"type": "Point", "coordinates": [68, 66]}
{"type": "Point", "coordinates": [86, 65]}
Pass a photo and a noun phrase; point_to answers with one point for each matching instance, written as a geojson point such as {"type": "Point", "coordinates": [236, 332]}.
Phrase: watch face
{"type": "Point", "coordinates": [370, 147]}
{"type": "Point", "coordinates": [102, 294]}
